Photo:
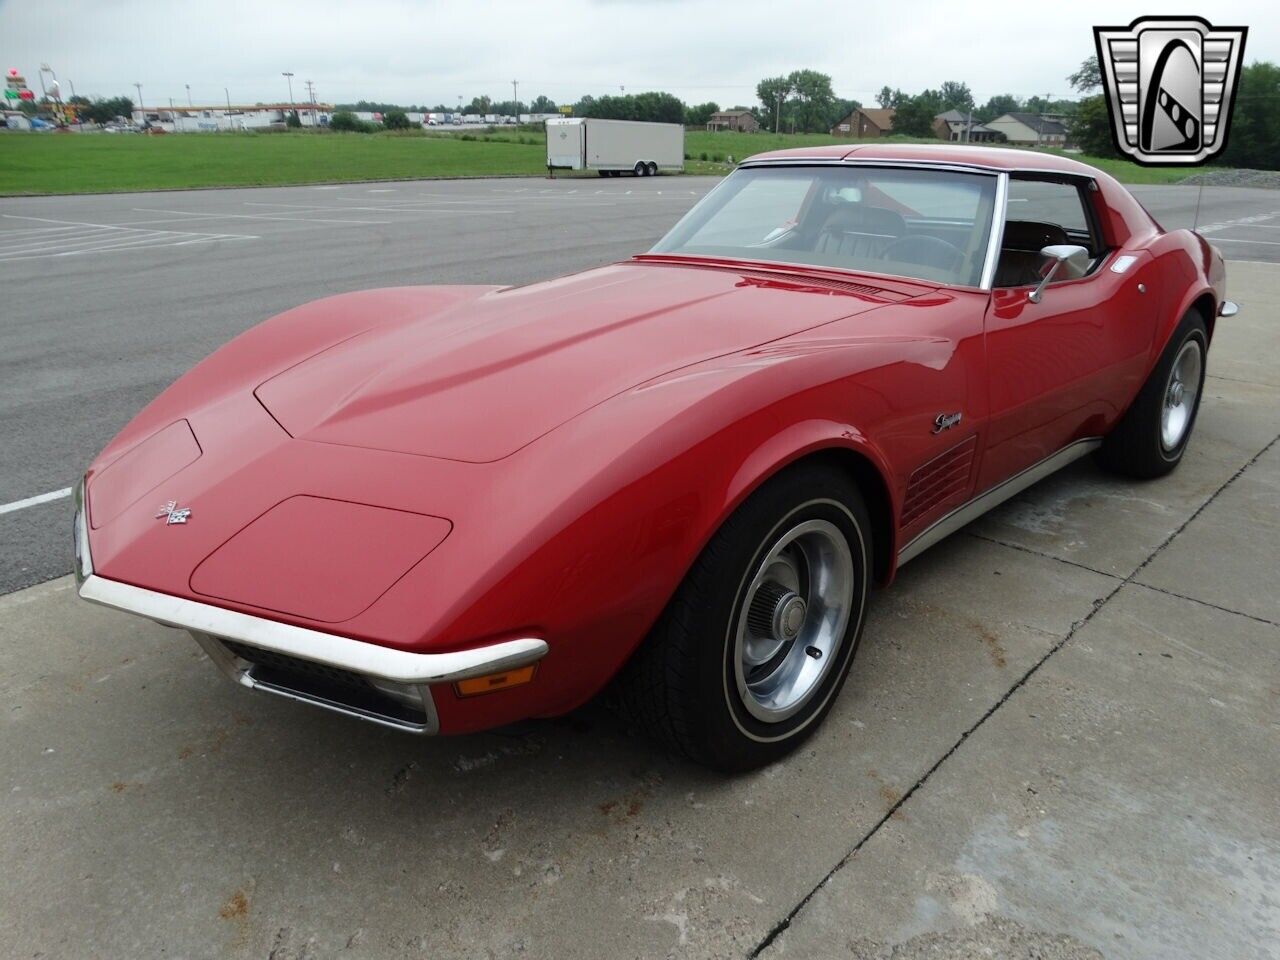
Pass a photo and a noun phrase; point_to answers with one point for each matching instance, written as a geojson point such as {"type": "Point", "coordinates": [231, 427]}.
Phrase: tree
{"type": "Point", "coordinates": [1090, 127]}
{"type": "Point", "coordinates": [814, 101]}
{"type": "Point", "coordinates": [997, 106]}
{"type": "Point", "coordinates": [542, 104]}
{"type": "Point", "coordinates": [654, 106]}
{"type": "Point", "coordinates": [955, 96]}
{"type": "Point", "coordinates": [914, 115]}
{"type": "Point", "coordinates": [1253, 139]}
{"type": "Point", "coordinates": [890, 97]}
{"type": "Point", "coordinates": [773, 93]}
{"type": "Point", "coordinates": [396, 120]}
{"type": "Point", "coordinates": [292, 120]}
{"type": "Point", "coordinates": [697, 115]}
{"type": "Point", "coordinates": [1088, 78]}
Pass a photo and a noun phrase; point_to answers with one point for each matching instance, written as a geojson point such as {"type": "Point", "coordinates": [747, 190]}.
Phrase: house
{"type": "Point", "coordinates": [865, 122]}
{"type": "Point", "coordinates": [960, 127]}
{"type": "Point", "coordinates": [1031, 129]}
{"type": "Point", "coordinates": [743, 121]}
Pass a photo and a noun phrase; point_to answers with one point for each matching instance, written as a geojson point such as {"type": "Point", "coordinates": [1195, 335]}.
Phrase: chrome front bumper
{"type": "Point", "coordinates": [385, 686]}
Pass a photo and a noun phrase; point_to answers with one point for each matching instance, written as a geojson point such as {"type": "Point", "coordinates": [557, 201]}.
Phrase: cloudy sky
{"type": "Point", "coordinates": [419, 51]}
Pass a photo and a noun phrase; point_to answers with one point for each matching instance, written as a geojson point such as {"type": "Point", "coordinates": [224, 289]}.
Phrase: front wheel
{"type": "Point", "coordinates": [751, 651]}
{"type": "Point", "coordinates": [1151, 437]}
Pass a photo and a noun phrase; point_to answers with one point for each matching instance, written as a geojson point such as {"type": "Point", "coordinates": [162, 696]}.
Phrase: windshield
{"type": "Point", "coordinates": [927, 224]}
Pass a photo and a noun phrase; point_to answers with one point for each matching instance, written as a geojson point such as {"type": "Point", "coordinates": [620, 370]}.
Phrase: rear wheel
{"type": "Point", "coordinates": [1151, 437]}
{"type": "Point", "coordinates": [641, 170]}
{"type": "Point", "coordinates": [751, 651]}
{"type": "Point", "coordinates": [652, 169]}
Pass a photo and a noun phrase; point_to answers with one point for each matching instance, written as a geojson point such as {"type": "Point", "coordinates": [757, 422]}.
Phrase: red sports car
{"type": "Point", "coordinates": [443, 509]}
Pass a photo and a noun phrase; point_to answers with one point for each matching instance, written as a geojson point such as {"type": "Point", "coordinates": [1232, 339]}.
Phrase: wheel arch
{"type": "Point", "coordinates": [841, 447]}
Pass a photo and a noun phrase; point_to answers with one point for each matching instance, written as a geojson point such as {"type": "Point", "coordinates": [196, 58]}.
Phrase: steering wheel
{"type": "Point", "coordinates": [924, 250]}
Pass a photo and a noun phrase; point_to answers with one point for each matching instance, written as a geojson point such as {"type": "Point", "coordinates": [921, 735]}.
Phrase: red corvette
{"type": "Point", "coordinates": [443, 509]}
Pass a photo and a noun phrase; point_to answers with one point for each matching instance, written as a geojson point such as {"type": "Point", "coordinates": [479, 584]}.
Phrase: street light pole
{"type": "Point", "coordinates": [189, 103]}
{"type": "Point", "coordinates": [230, 123]}
{"type": "Point", "coordinates": [142, 111]}
{"type": "Point", "coordinates": [288, 75]}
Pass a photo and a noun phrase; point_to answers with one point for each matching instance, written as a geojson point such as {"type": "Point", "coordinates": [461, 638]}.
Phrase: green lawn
{"type": "Point", "coordinates": [43, 163]}
{"type": "Point", "coordinates": [40, 163]}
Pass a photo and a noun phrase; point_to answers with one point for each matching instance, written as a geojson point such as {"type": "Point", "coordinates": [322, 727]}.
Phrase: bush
{"type": "Point", "coordinates": [703, 156]}
{"type": "Point", "coordinates": [292, 120]}
{"type": "Point", "coordinates": [345, 120]}
{"type": "Point", "coordinates": [396, 120]}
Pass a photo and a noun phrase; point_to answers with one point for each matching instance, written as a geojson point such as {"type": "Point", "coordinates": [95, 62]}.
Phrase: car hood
{"type": "Point", "coordinates": [478, 380]}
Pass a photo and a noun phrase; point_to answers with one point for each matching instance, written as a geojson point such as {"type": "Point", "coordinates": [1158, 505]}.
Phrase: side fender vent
{"type": "Point", "coordinates": [943, 478]}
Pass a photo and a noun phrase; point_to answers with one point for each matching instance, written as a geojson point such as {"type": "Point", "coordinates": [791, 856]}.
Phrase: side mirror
{"type": "Point", "coordinates": [1074, 257]}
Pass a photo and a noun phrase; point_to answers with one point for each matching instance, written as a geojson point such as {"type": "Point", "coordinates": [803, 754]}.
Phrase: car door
{"type": "Point", "coordinates": [1064, 368]}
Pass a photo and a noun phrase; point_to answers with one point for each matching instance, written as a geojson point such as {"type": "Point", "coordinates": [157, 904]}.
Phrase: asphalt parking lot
{"type": "Point", "coordinates": [1061, 734]}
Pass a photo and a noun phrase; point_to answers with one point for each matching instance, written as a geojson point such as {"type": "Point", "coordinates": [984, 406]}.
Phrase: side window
{"type": "Point", "coordinates": [1042, 213]}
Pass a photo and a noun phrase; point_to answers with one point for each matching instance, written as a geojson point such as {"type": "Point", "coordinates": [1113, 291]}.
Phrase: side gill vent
{"type": "Point", "coordinates": [939, 480]}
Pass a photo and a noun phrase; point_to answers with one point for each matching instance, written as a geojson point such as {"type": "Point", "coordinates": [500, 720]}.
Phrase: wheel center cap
{"type": "Point", "coordinates": [789, 617]}
{"type": "Point", "coordinates": [1175, 393]}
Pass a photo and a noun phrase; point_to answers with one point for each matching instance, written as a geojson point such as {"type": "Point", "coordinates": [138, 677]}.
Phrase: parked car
{"type": "Point", "coordinates": [446, 508]}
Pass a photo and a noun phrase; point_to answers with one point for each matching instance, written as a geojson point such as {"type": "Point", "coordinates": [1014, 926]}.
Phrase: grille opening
{"type": "Point", "coordinates": [323, 683]}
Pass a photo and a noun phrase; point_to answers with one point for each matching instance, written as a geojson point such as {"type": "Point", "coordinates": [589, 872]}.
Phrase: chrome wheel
{"type": "Point", "coordinates": [1180, 395]}
{"type": "Point", "coordinates": [792, 619]}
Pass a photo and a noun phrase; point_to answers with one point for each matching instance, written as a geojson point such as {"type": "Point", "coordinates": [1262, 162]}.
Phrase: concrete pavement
{"type": "Point", "coordinates": [1060, 735]}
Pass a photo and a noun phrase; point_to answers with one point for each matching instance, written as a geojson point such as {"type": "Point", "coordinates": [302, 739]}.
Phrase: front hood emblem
{"type": "Point", "coordinates": [173, 513]}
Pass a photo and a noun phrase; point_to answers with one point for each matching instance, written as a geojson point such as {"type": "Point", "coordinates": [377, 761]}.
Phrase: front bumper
{"type": "Point", "coordinates": [385, 686]}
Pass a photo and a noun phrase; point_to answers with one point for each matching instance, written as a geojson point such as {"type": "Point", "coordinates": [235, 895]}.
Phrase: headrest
{"type": "Point", "coordinates": [859, 218]}
{"type": "Point", "coordinates": [1031, 235]}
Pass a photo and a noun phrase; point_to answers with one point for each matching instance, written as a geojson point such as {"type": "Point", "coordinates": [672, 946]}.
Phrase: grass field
{"type": "Point", "coordinates": [43, 163]}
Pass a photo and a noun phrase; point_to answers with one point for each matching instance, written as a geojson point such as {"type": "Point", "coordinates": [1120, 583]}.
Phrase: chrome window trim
{"type": "Point", "coordinates": [356, 656]}
{"type": "Point", "coordinates": [992, 498]}
{"type": "Point", "coordinates": [999, 215]}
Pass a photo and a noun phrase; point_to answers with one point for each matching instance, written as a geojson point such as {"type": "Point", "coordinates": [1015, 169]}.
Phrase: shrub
{"type": "Point", "coordinates": [345, 120]}
{"type": "Point", "coordinates": [396, 120]}
{"type": "Point", "coordinates": [703, 155]}
{"type": "Point", "coordinates": [292, 120]}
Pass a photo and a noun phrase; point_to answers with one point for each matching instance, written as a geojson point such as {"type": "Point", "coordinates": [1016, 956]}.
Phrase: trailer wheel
{"type": "Point", "coordinates": [652, 169]}
{"type": "Point", "coordinates": [640, 170]}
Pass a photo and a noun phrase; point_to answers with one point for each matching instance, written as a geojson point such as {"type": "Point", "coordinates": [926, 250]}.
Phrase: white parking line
{"type": "Point", "coordinates": [68, 238]}
{"type": "Point", "coordinates": [252, 216]}
{"type": "Point", "coordinates": [35, 501]}
{"type": "Point", "coordinates": [1265, 243]}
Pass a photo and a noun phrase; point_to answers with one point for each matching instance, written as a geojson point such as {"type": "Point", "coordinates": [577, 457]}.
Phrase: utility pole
{"type": "Point", "coordinates": [189, 103]}
{"type": "Point", "coordinates": [140, 108]}
{"type": "Point", "coordinates": [777, 112]}
{"type": "Point", "coordinates": [173, 117]}
{"type": "Point", "coordinates": [311, 100]}
{"type": "Point", "coordinates": [515, 96]}
{"type": "Point", "coordinates": [288, 75]}
{"type": "Point", "coordinates": [230, 123]}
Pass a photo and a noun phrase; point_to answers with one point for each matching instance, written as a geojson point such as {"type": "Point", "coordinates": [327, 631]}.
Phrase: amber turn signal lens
{"type": "Point", "coordinates": [474, 686]}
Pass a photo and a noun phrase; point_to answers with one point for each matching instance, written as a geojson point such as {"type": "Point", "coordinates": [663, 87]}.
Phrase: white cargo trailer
{"type": "Point", "coordinates": [614, 146]}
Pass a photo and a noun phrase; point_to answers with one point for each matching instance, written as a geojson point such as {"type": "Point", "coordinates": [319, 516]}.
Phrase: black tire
{"type": "Point", "coordinates": [1136, 446]}
{"type": "Point", "coordinates": [651, 169]}
{"type": "Point", "coordinates": [681, 687]}
{"type": "Point", "coordinates": [640, 169]}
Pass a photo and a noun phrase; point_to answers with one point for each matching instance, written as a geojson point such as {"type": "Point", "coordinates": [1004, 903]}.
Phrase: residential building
{"type": "Point", "coordinates": [865, 122]}
{"type": "Point", "coordinates": [744, 121]}
{"type": "Point", "coordinates": [959, 127]}
{"type": "Point", "coordinates": [1031, 129]}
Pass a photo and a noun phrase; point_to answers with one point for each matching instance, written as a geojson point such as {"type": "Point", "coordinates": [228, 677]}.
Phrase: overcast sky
{"type": "Point", "coordinates": [417, 51]}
